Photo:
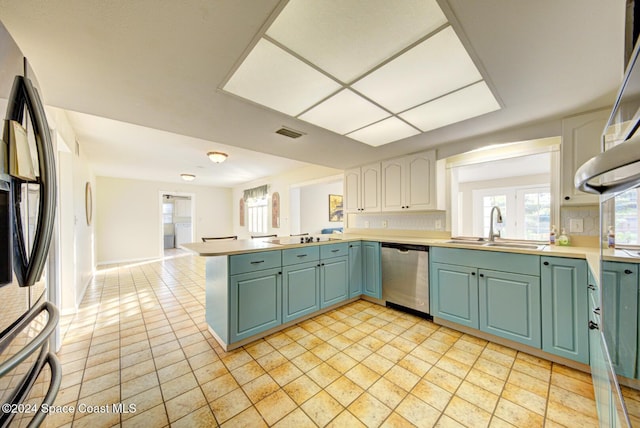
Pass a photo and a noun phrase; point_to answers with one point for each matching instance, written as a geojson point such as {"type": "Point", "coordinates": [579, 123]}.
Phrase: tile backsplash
{"type": "Point", "coordinates": [589, 214]}
{"type": "Point", "coordinates": [433, 220]}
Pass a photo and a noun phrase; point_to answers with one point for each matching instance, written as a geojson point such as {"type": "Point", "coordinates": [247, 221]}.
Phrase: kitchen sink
{"type": "Point", "coordinates": [520, 245]}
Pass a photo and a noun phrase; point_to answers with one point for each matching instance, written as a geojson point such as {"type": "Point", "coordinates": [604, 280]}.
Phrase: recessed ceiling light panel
{"type": "Point", "coordinates": [344, 112]}
{"type": "Point", "coordinates": [466, 103]}
{"type": "Point", "coordinates": [435, 67]}
{"type": "Point", "coordinates": [274, 78]}
{"type": "Point", "coordinates": [347, 38]}
{"type": "Point", "coordinates": [386, 131]}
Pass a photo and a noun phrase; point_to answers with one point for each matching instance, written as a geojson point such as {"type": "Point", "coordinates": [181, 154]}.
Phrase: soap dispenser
{"type": "Point", "coordinates": [563, 239]}
{"type": "Point", "coordinates": [552, 236]}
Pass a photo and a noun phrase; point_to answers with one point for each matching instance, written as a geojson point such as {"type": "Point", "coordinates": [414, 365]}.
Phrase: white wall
{"type": "Point", "coordinates": [128, 216]}
{"type": "Point", "coordinates": [314, 206]}
{"type": "Point", "coordinates": [76, 238]}
{"type": "Point", "coordinates": [282, 184]}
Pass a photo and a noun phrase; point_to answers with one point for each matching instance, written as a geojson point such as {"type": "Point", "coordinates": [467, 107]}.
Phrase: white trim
{"type": "Point", "coordinates": [192, 197]}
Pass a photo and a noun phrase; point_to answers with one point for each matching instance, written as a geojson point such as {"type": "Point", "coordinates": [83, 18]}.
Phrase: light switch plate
{"type": "Point", "coordinates": [576, 225]}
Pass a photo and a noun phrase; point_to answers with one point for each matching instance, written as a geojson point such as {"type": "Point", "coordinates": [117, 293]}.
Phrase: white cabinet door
{"type": "Point", "coordinates": [352, 202]}
{"type": "Point", "coordinates": [182, 208]}
{"type": "Point", "coordinates": [409, 183]}
{"type": "Point", "coordinates": [420, 186]}
{"type": "Point", "coordinates": [393, 172]}
{"type": "Point", "coordinates": [581, 140]}
{"type": "Point", "coordinates": [370, 187]}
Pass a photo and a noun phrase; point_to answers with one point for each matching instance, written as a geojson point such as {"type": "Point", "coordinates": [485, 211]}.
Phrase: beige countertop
{"type": "Point", "coordinates": [591, 254]}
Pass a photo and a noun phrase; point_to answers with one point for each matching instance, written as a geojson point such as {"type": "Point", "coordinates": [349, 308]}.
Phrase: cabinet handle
{"type": "Point", "coordinates": [473, 274]}
{"type": "Point", "coordinates": [628, 272]}
{"type": "Point", "coordinates": [596, 311]}
{"type": "Point", "coordinates": [301, 256]}
{"type": "Point", "coordinates": [481, 275]}
{"type": "Point", "coordinates": [546, 263]}
{"type": "Point", "coordinates": [591, 287]}
{"type": "Point", "coordinates": [334, 251]}
{"type": "Point", "coordinates": [279, 273]}
{"type": "Point", "coordinates": [593, 326]}
{"type": "Point", "coordinates": [566, 198]}
{"type": "Point", "coordinates": [257, 262]}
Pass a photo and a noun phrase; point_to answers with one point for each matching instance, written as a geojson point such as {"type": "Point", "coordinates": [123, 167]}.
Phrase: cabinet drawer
{"type": "Point", "coordinates": [300, 255]}
{"type": "Point", "coordinates": [499, 261]}
{"type": "Point", "coordinates": [252, 262]}
{"type": "Point", "coordinates": [334, 250]}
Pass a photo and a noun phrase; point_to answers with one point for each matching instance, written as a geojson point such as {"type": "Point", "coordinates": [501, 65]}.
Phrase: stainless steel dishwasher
{"type": "Point", "coordinates": [405, 276]}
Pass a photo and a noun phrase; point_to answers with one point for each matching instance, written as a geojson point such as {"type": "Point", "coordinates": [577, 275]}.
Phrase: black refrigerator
{"type": "Point", "coordinates": [30, 373]}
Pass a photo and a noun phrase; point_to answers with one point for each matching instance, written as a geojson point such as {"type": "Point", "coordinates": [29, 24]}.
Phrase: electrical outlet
{"type": "Point", "coordinates": [384, 224]}
{"type": "Point", "coordinates": [438, 224]}
{"type": "Point", "coordinates": [576, 225]}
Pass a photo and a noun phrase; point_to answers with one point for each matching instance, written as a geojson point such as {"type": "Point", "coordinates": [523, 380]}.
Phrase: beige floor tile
{"type": "Point", "coordinates": [341, 362]}
{"type": "Point", "coordinates": [219, 387]}
{"type": "Point", "coordinates": [443, 379]}
{"type": "Point", "coordinates": [432, 394]}
{"type": "Point", "coordinates": [210, 372]}
{"type": "Point", "coordinates": [144, 401]}
{"type": "Point", "coordinates": [572, 400]}
{"type": "Point", "coordinates": [362, 376]}
{"type": "Point", "coordinates": [101, 383]}
{"type": "Point", "coordinates": [271, 360]}
{"type": "Point", "coordinates": [415, 365]}
{"type": "Point", "coordinates": [285, 373]}
{"type": "Point", "coordinates": [345, 419]}
{"type": "Point", "coordinates": [517, 415]}
{"type": "Point", "coordinates": [229, 405]}
{"type": "Point", "coordinates": [201, 418]}
{"type": "Point", "coordinates": [402, 377]}
{"type": "Point", "coordinates": [524, 381]}
{"type": "Point", "coordinates": [525, 398]}
{"type": "Point", "coordinates": [533, 370]}
{"type": "Point", "coordinates": [249, 418]}
{"type": "Point", "coordinates": [297, 419]}
{"type": "Point", "coordinates": [357, 352]}
{"type": "Point", "coordinates": [387, 392]}
{"type": "Point", "coordinates": [259, 388]}
{"type": "Point", "coordinates": [247, 373]}
{"type": "Point", "coordinates": [378, 363]}
{"type": "Point", "coordinates": [173, 371]}
{"type": "Point", "coordinates": [567, 416]}
{"type": "Point", "coordinates": [466, 413]}
{"type": "Point", "coordinates": [579, 387]}
{"type": "Point", "coordinates": [418, 412]}
{"type": "Point", "coordinates": [344, 390]}
{"type": "Point", "coordinates": [310, 341]}
{"type": "Point", "coordinates": [396, 421]}
{"type": "Point", "coordinates": [259, 349]}
{"type": "Point", "coordinates": [322, 408]}
{"type": "Point", "coordinates": [324, 351]}
{"type": "Point", "coordinates": [301, 389]}
{"type": "Point", "coordinates": [178, 386]}
{"type": "Point", "coordinates": [369, 410]}
{"type": "Point", "coordinates": [498, 357]}
{"type": "Point", "coordinates": [235, 359]}
{"type": "Point", "coordinates": [275, 406]}
{"type": "Point", "coordinates": [307, 361]}
{"type": "Point", "coordinates": [323, 374]}
{"type": "Point", "coordinates": [478, 396]}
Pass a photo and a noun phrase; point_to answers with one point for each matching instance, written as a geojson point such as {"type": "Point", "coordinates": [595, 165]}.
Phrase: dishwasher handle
{"type": "Point", "coordinates": [405, 247]}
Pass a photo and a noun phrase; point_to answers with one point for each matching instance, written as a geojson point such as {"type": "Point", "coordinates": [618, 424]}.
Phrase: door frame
{"type": "Point", "coordinates": [161, 194]}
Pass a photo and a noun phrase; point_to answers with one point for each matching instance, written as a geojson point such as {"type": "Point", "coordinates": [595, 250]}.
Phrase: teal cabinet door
{"type": "Point", "coordinates": [372, 273]}
{"type": "Point", "coordinates": [356, 266]}
{"type": "Point", "coordinates": [564, 308]}
{"type": "Point", "coordinates": [255, 303]}
{"type": "Point", "coordinates": [454, 293]}
{"type": "Point", "coordinates": [509, 306]}
{"type": "Point", "coordinates": [619, 291]}
{"type": "Point", "coordinates": [334, 280]}
{"type": "Point", "coordinates": [300, 290]}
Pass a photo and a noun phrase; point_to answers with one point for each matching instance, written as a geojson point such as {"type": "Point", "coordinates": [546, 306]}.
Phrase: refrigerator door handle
{"type": "Point", "coordinates": [35, 343]}
{"type": "Point", "coordinates": [29, 269]}
{"type": "Point", "coordinates": [622, 155]}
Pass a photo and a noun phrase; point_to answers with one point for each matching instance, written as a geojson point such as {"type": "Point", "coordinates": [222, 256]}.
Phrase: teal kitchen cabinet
{"type": "Point", "coordinates": [371, 269]}
{"type": "Point", "coordinates": [565, 307]}
{"type": "Point", "coordinates": [509, 306]}
{"type": "Point", "coordinates": [356, 268]}
{"type": "Point", "coordinates": [620, 315]}
{"type": "Point", "coordinates": [334, 273]}
{"type": "Point", "coordinates": [300, 282]}
{"type": "Point", "coordinates": [495, 292]}
{"type": "Point", "coordinates": [454, 293]}
{"type": "Point", "coordinates": [255, 302]}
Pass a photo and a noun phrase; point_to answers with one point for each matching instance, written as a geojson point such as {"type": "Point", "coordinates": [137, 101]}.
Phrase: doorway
{"type": "Point", "coordinates": [177, 213]}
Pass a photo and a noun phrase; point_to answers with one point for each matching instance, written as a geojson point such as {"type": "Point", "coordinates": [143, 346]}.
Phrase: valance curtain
{"type": "Point", "coordinates": [260, 192]}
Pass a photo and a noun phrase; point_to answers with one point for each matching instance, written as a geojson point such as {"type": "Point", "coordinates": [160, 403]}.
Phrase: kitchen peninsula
{"type": "Point", "coordinates": [528, 297]}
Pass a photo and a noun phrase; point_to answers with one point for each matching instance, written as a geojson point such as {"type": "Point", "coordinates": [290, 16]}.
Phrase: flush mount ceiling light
{"type": "Point", "coordinates": [217, 157]}
{"type": "Point", "coordinates": [188, 177]}
{"type": "Point", "coordinates": [369, 73]}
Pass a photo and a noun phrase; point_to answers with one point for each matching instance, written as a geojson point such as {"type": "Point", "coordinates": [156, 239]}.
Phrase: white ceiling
{"type": "Point", "coordinates": [160, 65]}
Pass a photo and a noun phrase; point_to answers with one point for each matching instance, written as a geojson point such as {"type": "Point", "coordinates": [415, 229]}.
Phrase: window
{"type": "Point", "coordinates": [257, 215]}
{"type": "Point", "coordinates": [526, 212]}
{"type": "Point", "coordinates": [626, 218]}
{"type": "Point", "coordinates": [167, 213]}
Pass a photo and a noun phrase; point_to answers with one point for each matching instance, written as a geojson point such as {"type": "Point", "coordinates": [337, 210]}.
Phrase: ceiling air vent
{"type": "Point", "coordinates": [288, 132]}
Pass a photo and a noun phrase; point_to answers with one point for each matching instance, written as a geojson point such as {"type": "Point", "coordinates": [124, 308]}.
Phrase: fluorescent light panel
{"type": "Point", "coordinates": [347, 38]}
{"type": "Point", "coordinates": [472, 101]}
{"type": "Point", "coordinates": [344, 112]}
{"type": "Point", "coordinates": [435, 67]}
{"type": "Point", "coordinates": [386, 131]}
{"type": "Point", "coordinates": [276, 79]}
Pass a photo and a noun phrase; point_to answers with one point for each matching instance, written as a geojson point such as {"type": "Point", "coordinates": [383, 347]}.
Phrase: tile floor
{"type": "Point", "coordinates": [140, 338]}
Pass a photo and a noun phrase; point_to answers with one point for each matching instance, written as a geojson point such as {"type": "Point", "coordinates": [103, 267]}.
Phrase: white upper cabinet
{"type": "Point", "coordinates": [362, 189]}
{"type": "Point", "coordinates": [409, 183]}
{"type": "Point", "coordinates": [581, 140]}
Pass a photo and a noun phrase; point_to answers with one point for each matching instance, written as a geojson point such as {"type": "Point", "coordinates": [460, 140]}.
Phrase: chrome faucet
{"type": "Point", "coordinates": [492, 235]}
